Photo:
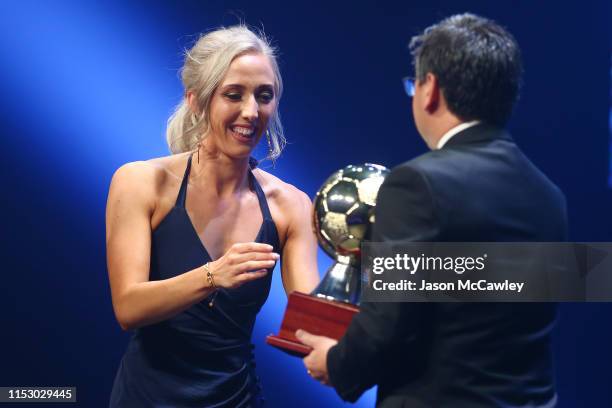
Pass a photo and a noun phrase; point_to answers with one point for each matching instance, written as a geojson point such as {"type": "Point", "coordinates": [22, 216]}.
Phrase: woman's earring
{"type": "Point", "coordinates": [198, 146]}
{"type": "Point", "coordinates": [269, 139]}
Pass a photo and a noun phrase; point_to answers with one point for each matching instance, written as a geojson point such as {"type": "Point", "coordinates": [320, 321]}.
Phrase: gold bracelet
{"type": "Point", "coordinates": [209, 275]}
{"type": "Point", "coordinates": [211, 282]}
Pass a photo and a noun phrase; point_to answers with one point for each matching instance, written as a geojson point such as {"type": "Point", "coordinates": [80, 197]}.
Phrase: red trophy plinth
{"type": "Point", "coordinates": [315, 315]}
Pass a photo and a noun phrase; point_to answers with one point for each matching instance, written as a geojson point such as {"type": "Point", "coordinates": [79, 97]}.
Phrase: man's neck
{"type": "Point", "coordinates": [439, 126]}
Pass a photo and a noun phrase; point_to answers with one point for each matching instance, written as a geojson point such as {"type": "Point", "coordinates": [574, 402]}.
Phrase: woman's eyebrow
{"type": "Point", "coordinates": [242, 87]}
{"type": "Point", "coordinates": [232, 86]}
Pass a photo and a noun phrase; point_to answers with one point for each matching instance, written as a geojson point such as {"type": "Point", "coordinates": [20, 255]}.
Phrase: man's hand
{"type": "Point", "coordinates": [316, 361]}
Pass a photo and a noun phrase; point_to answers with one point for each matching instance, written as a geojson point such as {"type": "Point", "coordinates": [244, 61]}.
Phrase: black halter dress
{"type": "Point", "coordinates": [202, 357]}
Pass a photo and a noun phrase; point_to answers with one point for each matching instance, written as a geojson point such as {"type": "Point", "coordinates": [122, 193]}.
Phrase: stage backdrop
{"type": "Point", "coordinates": [88, 86]}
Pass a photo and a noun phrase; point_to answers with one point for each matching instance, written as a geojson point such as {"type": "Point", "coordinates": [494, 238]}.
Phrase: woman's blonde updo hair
{"type": "Point", "coordinates": [206, 64]}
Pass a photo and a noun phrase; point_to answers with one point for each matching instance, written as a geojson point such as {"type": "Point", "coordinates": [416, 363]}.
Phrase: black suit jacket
{"type": "Point", "coordinates": [478, 188]}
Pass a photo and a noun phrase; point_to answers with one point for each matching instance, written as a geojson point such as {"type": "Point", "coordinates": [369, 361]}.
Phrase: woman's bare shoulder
{"type": "Point", "coordinates": [146, 179]}
{"type": "Point", "coordinates": [169, 166]}
{"type": "Point", "coordinates": [283, 193]}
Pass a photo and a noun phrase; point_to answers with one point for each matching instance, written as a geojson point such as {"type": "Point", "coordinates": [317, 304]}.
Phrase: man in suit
{"type": "Point", "coordinates": [474, 186]}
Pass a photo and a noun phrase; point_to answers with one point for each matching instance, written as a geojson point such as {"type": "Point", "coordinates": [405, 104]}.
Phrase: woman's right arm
{"type": "Point", "coordinates": [136, 300]}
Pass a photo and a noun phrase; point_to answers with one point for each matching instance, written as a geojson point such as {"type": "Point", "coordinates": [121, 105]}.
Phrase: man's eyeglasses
{"type": "Point", "coordinates": [408, 86]}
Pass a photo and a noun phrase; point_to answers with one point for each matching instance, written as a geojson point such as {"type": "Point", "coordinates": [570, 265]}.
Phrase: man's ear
{"type": "Point", "coordinates": [431, 93]}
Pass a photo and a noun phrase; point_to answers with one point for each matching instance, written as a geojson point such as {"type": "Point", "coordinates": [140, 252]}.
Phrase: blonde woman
{"type": "Point", "coordinates": [192, 238]}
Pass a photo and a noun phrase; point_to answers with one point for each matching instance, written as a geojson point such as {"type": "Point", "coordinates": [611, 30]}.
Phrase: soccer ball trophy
{"type": "Point", "coordinates": [342, 219]}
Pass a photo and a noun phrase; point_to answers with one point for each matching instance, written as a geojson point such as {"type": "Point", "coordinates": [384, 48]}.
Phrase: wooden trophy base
{"type": "Point", "coordinates": [315, 315]}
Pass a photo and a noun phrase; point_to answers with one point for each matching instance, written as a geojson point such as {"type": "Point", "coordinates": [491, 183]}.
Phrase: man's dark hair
{"type": "Point", "coordinates": [477, 63]}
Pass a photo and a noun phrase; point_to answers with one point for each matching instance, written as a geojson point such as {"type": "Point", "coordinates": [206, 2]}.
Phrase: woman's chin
{"type": "Point", "coordinates": [239, 154]}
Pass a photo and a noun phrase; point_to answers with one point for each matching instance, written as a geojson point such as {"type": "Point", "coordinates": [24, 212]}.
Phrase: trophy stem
{"type": "Point", "coordinates": [342, 283]}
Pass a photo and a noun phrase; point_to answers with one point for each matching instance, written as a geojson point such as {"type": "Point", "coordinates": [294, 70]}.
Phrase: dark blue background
{"type": "Point", "coordinates": [86, 87]}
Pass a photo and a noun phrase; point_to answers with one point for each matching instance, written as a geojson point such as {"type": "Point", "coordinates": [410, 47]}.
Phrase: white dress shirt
{"type": "Point", "coordinates": [452, 132]}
